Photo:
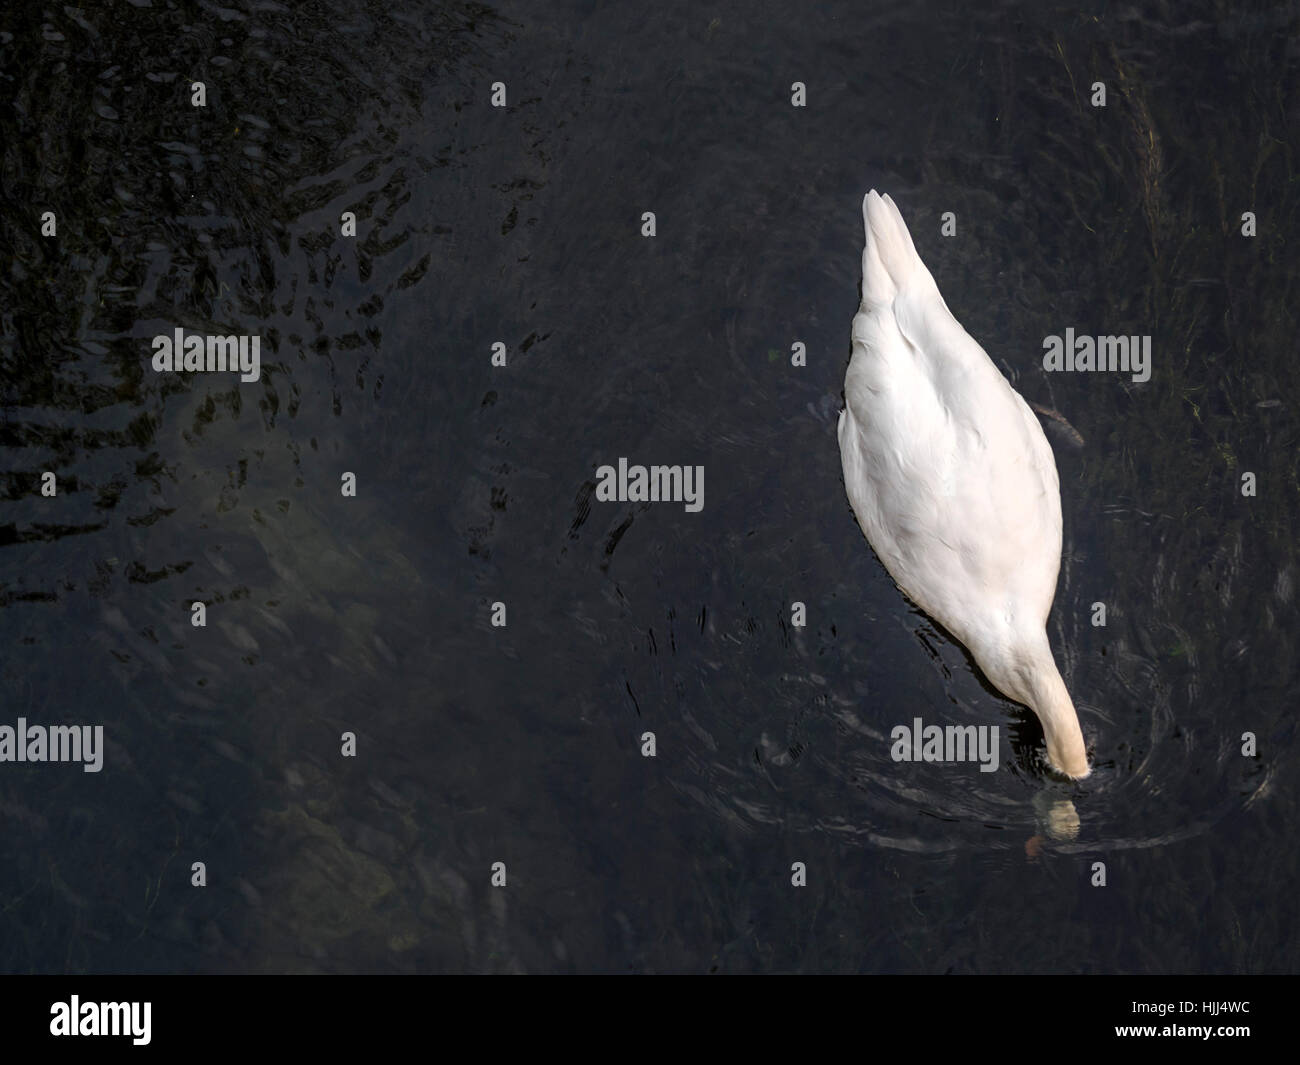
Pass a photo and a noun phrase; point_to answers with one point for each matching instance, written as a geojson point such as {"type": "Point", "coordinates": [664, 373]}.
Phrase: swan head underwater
{"type": "Point", "coordinates": [952, 480]}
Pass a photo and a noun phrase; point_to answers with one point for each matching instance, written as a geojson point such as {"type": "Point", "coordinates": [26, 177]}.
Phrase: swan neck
{"type": "Point", "coordinates": [1051, 701]}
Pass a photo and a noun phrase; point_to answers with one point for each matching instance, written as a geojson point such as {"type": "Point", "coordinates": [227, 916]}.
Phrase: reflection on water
{"type": "Point", "coordinates": [522, 745]}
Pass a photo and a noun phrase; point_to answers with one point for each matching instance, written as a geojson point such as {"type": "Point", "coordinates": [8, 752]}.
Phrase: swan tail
{"type": "Point", "coordinates": [889, 257]}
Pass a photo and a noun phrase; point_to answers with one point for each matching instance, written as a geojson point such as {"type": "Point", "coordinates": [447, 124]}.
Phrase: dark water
{"type": "Point", "coordinates": [521, 744]}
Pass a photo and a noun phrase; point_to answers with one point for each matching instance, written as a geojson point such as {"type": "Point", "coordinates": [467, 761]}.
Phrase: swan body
{"type": "Point", "coordinates": [952, 480]}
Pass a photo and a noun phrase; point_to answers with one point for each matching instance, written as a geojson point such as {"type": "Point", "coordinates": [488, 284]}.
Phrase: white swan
{"type": "Point", "coordinates": [953, 481]}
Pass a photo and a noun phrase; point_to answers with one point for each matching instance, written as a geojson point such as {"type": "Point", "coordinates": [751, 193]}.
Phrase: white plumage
{"type": "Point", "coordinates": [952, 480]}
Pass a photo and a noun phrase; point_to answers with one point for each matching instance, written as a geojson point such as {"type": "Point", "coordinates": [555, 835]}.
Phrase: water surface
{"type": "Point", "coordinates": [476, 485]}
